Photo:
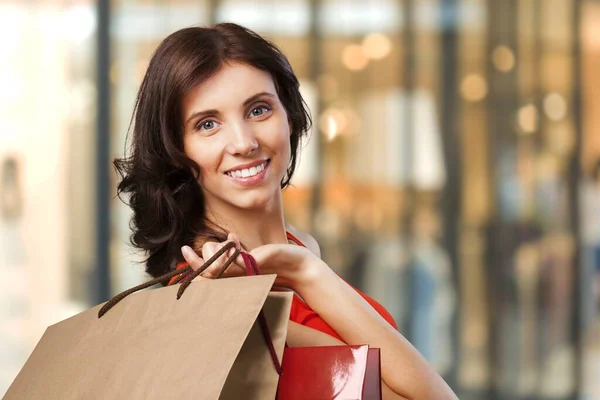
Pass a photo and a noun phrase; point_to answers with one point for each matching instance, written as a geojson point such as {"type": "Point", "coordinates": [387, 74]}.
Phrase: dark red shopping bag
{"type": "Point", "coordinates": [331, 372]}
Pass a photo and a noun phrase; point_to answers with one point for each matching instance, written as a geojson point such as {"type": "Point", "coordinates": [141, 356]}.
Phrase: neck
{"type": "Point", "coordinates": [253, 227]}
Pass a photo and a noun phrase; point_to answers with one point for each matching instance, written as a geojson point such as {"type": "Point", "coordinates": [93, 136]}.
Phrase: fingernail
{"type": "Point", "coordinates": [187, 250]}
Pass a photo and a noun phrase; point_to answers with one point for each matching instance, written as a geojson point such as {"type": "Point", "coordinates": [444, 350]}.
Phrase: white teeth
{"type": "Point", "coordinates": [247, 172]}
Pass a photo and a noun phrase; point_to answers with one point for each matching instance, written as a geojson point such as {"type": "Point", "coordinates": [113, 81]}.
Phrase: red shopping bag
{"type": "Point", "coordinates": [331, 372]}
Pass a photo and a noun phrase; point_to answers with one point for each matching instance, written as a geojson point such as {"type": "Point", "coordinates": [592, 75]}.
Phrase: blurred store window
{"type": "Point", "coordinates": [47, 112]}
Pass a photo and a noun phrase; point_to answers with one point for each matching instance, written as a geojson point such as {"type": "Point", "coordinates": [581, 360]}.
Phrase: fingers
{"type": "Point", "coordinates": [209, 249]}
{"type": "Point", "coordinates": [232, 237]}
{"type": "Point", "coordinates": [239, 261]}
{"type": "Point", "coordinates": [193, 259]}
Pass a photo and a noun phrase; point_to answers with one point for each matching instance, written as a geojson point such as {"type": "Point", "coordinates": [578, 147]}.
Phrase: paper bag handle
{"type": "Point", "coordinates": [187, 279]}
{"type": "Point", "coordinates": [184, 275]}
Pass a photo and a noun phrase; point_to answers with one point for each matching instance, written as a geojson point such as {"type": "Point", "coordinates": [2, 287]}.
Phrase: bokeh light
{"type": "Point", "coordinates": [503, 58]}
{"type": "Point", "coordinates": [555, 106]}
{"type": "Point", "coordinates": [474, 88]}
{"type": "Point", "coordinates": [376, 46]}
{"type": "Point", "coordinates": [528, 118]}
{"type": "Point", "coordinates": [354, 58]}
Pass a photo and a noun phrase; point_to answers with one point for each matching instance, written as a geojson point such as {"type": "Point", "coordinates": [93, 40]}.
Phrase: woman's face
{"type": "Point", "coordinates": [236, 129]}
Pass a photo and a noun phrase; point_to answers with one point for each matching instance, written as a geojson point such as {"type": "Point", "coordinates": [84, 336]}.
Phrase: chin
{"type": "Point", "coordinates": [251, 202]}
{"type": "Point", "coordinates": [262, 197]}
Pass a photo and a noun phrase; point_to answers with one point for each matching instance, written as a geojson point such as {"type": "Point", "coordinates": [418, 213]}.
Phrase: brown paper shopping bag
{"type": "Point", "coordinates": [153, 346]}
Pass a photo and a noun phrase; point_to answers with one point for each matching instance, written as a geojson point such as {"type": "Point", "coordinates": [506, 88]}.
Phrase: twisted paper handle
{"type": "Point", "coordinates": [186, 275]}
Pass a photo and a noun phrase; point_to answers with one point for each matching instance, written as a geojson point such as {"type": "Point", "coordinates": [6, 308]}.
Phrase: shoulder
{"type": "Point", "coordinates": [306, 239]}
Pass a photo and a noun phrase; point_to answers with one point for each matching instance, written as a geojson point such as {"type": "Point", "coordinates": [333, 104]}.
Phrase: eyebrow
{"type": "Point", "coordinates": [248, 101]}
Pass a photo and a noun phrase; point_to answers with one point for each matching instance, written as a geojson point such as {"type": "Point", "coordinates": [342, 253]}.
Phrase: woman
{"type": "Point", "coordinates": [217, 127]}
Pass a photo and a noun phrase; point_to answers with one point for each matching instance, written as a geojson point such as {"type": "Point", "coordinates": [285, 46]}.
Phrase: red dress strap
{"type": "Point", "coordinates": [294, 239]}
{"type": "Point", "coordinates": [182, 264]}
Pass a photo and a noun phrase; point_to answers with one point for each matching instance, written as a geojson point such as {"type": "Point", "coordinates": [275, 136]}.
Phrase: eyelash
{"type": "Point", "coordinates": [265, 107]}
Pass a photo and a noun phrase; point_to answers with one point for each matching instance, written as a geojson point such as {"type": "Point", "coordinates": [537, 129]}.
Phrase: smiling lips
{"type": "Point", "coordinates": [248, 172]}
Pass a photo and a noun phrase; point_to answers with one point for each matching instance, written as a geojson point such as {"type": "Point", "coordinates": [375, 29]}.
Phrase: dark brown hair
{"type": "Point", "coordinates": [165, 196]}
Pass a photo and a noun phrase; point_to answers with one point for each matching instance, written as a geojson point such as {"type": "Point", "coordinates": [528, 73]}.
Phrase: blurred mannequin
{"type": "Point", "coordinates": [15, 306]}
{"type": "Point", "coordinates": [432, 298]}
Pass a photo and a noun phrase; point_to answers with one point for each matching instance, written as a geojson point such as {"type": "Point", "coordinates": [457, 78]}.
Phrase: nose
{"type": "Point", "coordinates": [243, 139]}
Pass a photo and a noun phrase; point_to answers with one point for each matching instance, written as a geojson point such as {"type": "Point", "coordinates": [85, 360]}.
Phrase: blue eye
{"type": "Point", "coordinates": [206, 125]}
{"type": "Point", "coordinates": [259, 111]}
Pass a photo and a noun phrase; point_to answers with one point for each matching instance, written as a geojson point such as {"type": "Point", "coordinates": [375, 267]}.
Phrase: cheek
{"type": "Point", "coordinates": [284, 136]}
{"type": "Point", "coordinates": [204, 156]}
{"type": "Point", "coordinates": [208, 167]}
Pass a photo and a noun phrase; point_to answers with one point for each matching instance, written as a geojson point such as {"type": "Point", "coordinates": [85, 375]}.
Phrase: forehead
{"type": "Point", "coordinates": [229, 87]}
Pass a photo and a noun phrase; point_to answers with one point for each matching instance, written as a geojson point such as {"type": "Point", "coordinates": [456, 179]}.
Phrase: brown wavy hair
{"type": "Point", "coordinates": [162, 182]}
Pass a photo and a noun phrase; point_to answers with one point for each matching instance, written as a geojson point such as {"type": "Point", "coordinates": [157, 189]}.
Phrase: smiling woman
{"type": "Point", "coordinates": [217, 126]}
{"type": "Point", "coordinates": [205, 93]}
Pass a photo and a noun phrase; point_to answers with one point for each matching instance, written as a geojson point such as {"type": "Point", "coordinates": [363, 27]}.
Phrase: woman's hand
{"type": "Point", "coordinates": [208, 250]}
{"type": "Point", "coordinates": [295, 266]}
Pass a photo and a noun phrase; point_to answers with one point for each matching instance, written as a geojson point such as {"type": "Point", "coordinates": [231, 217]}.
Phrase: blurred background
{"type": "Point", "coordinates": [453, 170]}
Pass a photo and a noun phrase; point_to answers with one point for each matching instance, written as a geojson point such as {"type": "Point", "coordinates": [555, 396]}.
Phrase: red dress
{"type": "Point", "coordinates": [302, 314]}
